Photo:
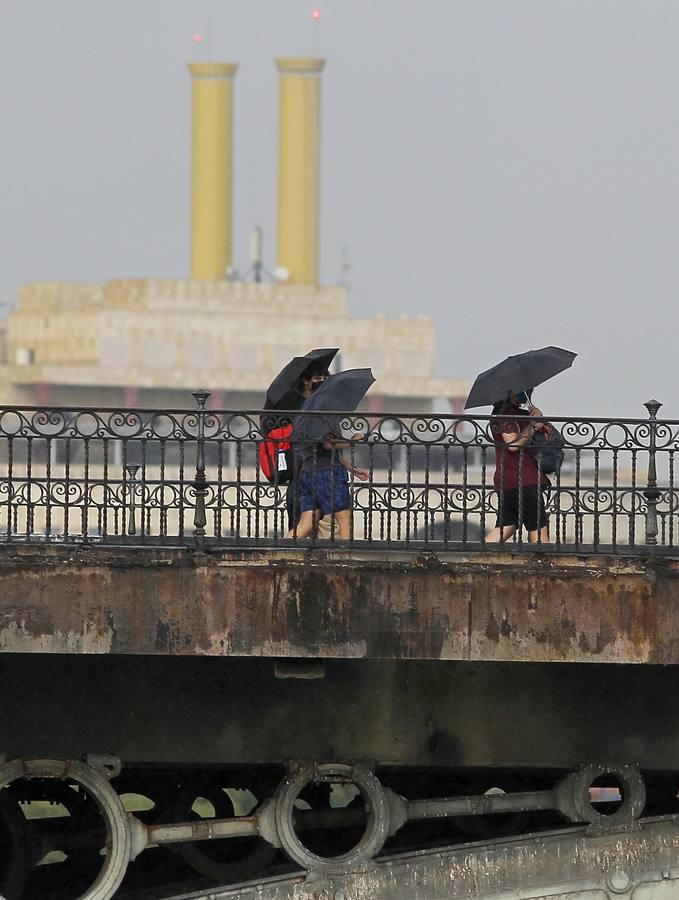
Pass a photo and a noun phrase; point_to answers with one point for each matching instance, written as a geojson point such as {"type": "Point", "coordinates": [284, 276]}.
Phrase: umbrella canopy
{"type": "Point", "coordinates": [338, 394]}
{"type": "Point", "coordinates": [518, 373]}
{"type": "Point", "coordinates": [282, 392]}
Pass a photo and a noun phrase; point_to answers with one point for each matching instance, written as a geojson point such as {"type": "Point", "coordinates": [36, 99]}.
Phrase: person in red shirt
{"type": "Point", "coordinates": [517, 480]}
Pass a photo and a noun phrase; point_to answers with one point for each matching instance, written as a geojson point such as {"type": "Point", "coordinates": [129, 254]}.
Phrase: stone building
{"type": "Point", "coordinates": [150, 342]}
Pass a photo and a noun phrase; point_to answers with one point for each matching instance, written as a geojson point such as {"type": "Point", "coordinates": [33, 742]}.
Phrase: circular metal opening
{"type": "Point", "coordinates": [331, 817]}
{"type": "Point", "coordinates": [75, 830]}
{"type": "Point", "coordinates": [604, 795]}
{"type": "Point", "coordinates": [607, 794]}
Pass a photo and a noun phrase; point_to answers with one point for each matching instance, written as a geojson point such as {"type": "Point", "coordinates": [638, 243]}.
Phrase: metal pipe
{"type": "Point", "coordinates": [482, 805]}
{"type": "Point", "coordinates": [202, 830]}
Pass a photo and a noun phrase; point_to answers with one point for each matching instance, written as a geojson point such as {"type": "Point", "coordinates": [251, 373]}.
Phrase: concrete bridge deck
{"type": "Point", "coordinates": [491, 604]}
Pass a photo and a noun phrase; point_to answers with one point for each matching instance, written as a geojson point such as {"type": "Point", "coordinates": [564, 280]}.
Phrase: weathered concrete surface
{"type": "Point", "coordinates": [568, 865]}
{"type": "Point", "coordinates": [485, 606]}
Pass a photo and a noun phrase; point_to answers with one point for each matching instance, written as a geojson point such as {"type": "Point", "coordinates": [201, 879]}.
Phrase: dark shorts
{"type": "Point", "coordinates": [531, 515]}
{"type": "Point", "coordinates": [325, 489]}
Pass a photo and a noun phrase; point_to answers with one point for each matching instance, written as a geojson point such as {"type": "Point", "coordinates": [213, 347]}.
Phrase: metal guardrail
{"type": "Point", "coordinates": [192, 477]}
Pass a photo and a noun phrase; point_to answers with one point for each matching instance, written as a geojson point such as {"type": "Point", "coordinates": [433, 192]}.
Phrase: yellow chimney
{"type": "Point", "coordinates": [299, 144]}
{"type": "Point", "coordinates": [212, 169]}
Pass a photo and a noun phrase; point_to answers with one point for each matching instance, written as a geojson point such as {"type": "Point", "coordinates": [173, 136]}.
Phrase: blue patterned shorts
{"type": "Point", "coordinates": [325, 489]}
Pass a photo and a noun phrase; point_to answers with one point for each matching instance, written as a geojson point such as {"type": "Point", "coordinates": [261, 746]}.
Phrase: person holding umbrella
{"type": "Point", "coordinates": [288, 391]}
{"type": "Point", "coordinates": [518, 479]}
{"type": "Point", "coordinates": [324, 472]}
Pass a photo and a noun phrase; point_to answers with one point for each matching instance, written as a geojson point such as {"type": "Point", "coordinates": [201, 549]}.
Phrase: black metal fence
{"type": "Point", "coordinates": [194, 477]}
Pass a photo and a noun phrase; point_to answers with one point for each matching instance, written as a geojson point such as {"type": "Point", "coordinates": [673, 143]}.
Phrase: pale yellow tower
{"type": "Point", "coordinates": [299, 145]}
{"type": "Point", "coordinates": [212, 169]}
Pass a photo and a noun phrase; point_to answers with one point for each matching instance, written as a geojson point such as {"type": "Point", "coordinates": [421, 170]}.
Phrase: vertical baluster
{"type": "Point", "coordinates": [368, 514]}
{"type": "Point", "coordinates": [633, 501]}
{"type": "Point", "coordinates": [614, 500]}
{"type": "Point", "coordinates": [353, 488]}
{"type": "Point", "coordinates": [181, 523]}
{"type": "Point", "coordinates": [390, 487]}
{"type": "Point", "coordinates": [220, 484]}
{"type": "Point", "coordinates": [67, 487]}
{"type": "Point", "coordinates": [103, 523]}
{"type": "Point", "coordinates": [484, 490]}
{"type": "Point", "coordinates": [556, 506]}
{"type": "Point", "coordinates": [48, 488]}
{"type": "Point", "coordinates": [425, 497]}
{"type": "Point", "coordinates": [121, 508]}
{"type": "Point", "coordinates": [409, 485]}
{"type": "Point", "coordinates": [595, 535]}
{"type": "Point", "coordinates": [671, 501]}
{"type": "Point", "coordinates": [162, 521]}
{"type": "Point", "coordinates": [501, 459]}
{"type": "Point", "coordinates": [240, 493]}
{"type": "Point", "coordinates": [333, 508]}
{"type": "Point", "coordinates": [465, 487]}
{"type": "Point", "coordinates": [29, 486]}
{"type": "Point", "coordinates": [260, 489]}
{"type": "Point", "coordinates": [651, 493]}
{"type": "Point", "coordinates": [446, 496]}
{"type": "Point", "coordinates": [10, 483]}
{"type": "Point", "coordinates": [539, 498]}
{"type": "Point", "coordinates": [577, 537]}
{"type": "Point", "coordinates": [200, 481]}
{"type": "Point", "coordinates": [372, 492]}
{"type": "Point", "coordinates": [131, 496]}
{"type": "Point", "coordinates": [85, 512]}
{"type": "Point", "coordinates": [142, 491]}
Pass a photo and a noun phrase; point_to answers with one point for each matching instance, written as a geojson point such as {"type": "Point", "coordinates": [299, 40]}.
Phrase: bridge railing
{"type": "Point", "coordinates": [193, 477]}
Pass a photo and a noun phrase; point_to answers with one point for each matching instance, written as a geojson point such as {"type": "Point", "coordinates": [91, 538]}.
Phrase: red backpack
{"type": "Point", "coordinates": [275, 455]}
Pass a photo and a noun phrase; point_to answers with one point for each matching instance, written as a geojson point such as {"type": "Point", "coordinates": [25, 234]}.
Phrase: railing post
{"type": "Point", "coordinates": [132, 490]}
{"type": "Point", "coordinates": [652, 494]}
{"type": "Point", "coordinates": [200, 482]}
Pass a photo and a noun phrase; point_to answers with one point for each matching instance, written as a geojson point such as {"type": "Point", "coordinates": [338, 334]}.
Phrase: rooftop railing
{"type": "Point", "coordinates": [192, 477]}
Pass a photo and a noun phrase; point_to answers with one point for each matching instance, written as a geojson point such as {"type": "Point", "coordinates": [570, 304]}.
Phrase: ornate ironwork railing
{"type": "Point", "coordinates": [192, 477]}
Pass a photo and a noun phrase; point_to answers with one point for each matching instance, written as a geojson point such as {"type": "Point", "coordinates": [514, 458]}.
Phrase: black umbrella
{"type": "Point", "coordinates": [338, 394]}
{"type": "Point", "coordinates": [283, 392]}
{"type": "Point", "coordinates": [518, 373]}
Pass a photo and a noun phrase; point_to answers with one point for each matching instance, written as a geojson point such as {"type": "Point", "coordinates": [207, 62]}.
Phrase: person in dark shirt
{"type": "Point", "coordinates": [519, 484]}
{"type": "Point", "coordinates": [323, 478]}
{"type": "Point", "coordinates": [308, 383]}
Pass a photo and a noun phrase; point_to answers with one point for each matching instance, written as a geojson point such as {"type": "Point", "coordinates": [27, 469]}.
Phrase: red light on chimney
{"type": "Point", "coordinates": [197, 38]}
{"type": "Point", "coordinates": [316, 14]}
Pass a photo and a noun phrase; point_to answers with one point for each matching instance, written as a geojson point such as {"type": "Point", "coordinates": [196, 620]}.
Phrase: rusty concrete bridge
{"type": "Point", "coordinates": [229, 712]}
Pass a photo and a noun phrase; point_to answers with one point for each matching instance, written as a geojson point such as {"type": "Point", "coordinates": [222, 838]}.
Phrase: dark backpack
{"type": "Point", "coordinates": [275, 455]}
{"type": "Point", "coordinates": [548, 450]}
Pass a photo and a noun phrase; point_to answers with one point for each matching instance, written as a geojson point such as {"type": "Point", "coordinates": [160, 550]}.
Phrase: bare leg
{"type": "Point", "coordinates": [539, 537]}
{"type": "Point", "coordinates": [500, 535]}
{"type": "Point", "coordinates": [341, 525]}
{"type": "Point", "coordinates": [308, 523]}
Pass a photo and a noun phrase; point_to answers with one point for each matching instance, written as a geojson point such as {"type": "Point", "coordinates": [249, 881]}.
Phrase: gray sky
{"type": "Point", "coordinates": [510, 167]}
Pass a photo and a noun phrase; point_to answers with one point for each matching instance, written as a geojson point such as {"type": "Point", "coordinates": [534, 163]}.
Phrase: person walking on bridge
{"type": "Point", "coordinates": [520, 479]}
{"type": "Point", "coordinates": [519, 483]}
{"type": "Point", "coordinates": [324, 472]}
{"type": "Point", "coordinates": [289, 390]}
